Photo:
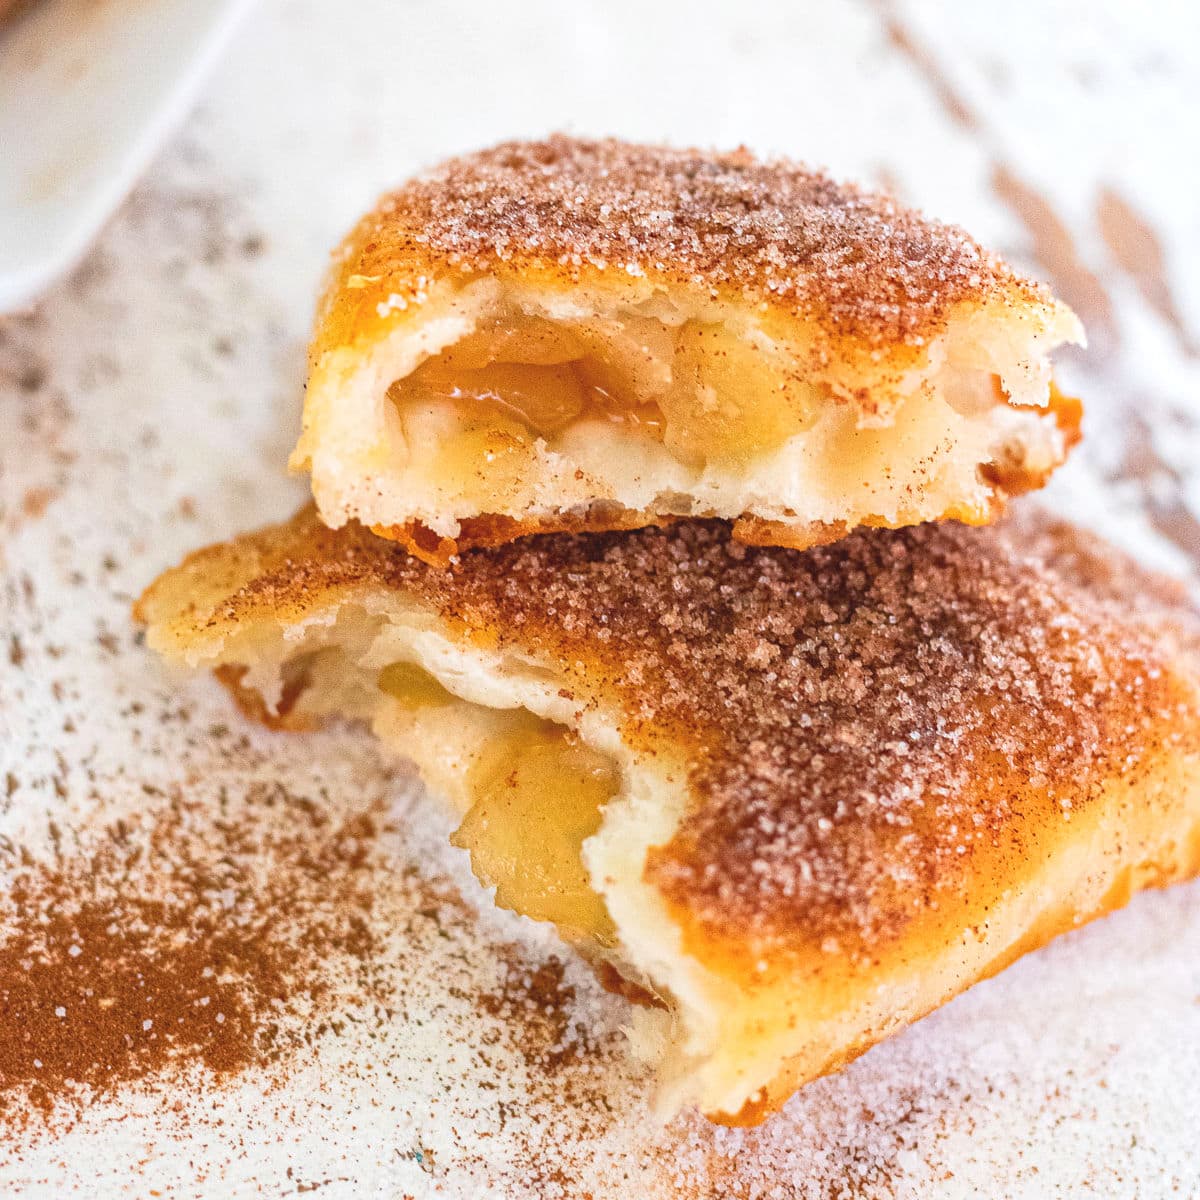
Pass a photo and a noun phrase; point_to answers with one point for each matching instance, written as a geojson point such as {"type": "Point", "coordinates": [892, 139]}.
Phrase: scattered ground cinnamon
{"type": "Point", "coordinates": [536, 1004]}
{"type": "Point", "coordinates": [161, 950]}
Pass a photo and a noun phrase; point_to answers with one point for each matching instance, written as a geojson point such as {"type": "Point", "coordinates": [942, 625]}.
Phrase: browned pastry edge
{"type": "Point", "coordinates": [861, 272]}
{"type": "Point", "coordinates": [1016, 479]}
{"type": "Point", "coordinates": [489, 530]}
{"type": "Point", "coordinates": [769, 1100]}
{"type": "Point", "coordinates": [252, 706]}
{"type": "Point", "coordinates": [495, 529]}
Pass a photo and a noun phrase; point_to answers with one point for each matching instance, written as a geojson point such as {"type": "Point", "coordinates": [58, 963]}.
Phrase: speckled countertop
{"type": "Point", "coordinates": [384, 1032]}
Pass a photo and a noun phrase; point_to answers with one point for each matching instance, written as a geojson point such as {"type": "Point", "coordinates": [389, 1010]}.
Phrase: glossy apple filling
{"type": "Point", "coordinates": [703, 393]}
{"type": "Point", "coordinates": [537, 793]}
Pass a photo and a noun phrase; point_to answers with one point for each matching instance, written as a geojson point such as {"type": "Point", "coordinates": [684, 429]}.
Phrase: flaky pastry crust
{"type": "Point", "coordinates": [909, 366]}
{"type": "Point", "coordinates": [855, 779]}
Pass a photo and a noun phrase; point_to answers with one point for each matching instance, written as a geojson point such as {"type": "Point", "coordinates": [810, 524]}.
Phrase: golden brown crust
{"type": "Point", "coordinates": [904, 759]}
{"type": "Point", "coordinates": [1146, 799]}
{"type": "Point", "coordinates": [857, 268]}
{"type": "Point", "coordinates": [870, 725]}
{"type": "Point", "coordinates": [1013, 476]}
{"type": "Point", "coordinates": [251, 704]}
{"type": "Point", "coordinates": [961, 699]}
{"type": "Point", "coordinates": [493, 529]}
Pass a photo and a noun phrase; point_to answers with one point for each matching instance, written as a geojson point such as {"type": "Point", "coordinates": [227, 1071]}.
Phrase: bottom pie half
{"type": "Point", "coordinates": [789, 801]}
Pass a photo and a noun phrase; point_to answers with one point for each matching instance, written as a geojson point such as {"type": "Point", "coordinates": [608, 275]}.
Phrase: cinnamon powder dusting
{"type": "Point", "coordinates": [537, 1005]}
{"type": "Point", "coordinates": [153, 954]}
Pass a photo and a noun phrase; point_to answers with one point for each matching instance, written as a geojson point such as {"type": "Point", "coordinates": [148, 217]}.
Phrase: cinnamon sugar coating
{"type": "Point", "coordinates": [911, 723]}
{"type": "Point", "coordinates": [870, 731]}
{"type": "Point", "coordinates": [855, 263]}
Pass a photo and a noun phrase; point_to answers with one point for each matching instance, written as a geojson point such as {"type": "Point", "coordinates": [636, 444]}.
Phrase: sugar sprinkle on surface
{"type": "Point", "coordinates": [857, 263]}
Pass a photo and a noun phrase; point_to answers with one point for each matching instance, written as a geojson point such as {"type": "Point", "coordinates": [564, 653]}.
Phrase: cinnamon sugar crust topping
{"type": "Point", "coordinates": [855, 262]}
{"type": "Point", "coordinates": [866, 727]}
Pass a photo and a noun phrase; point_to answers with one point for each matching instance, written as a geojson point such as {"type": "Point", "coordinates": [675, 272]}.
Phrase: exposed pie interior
{"type": "Point", "coordinates": [592, 335]}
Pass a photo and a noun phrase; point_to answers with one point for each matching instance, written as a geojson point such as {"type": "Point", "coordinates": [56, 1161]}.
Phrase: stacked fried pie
{"type": "Point", "coordinates": [659, 517]}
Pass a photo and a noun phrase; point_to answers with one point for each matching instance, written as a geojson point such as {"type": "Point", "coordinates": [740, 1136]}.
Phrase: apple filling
{"type": "Point", "coordinates": [705, 394]}
{"type": "Point", "coordinates": [536, 793]}
{"type": "Point", "coordinates": [412, 688]}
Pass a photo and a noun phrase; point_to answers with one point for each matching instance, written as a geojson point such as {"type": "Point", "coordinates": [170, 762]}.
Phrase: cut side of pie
{"type": "Point", "coordinates": [591, 335]}
{"type": "Point", "coordinates": [790, 800]}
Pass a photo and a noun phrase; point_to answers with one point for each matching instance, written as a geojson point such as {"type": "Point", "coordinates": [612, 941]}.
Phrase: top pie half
{"type": "Point", "coordinates": [575, 334]}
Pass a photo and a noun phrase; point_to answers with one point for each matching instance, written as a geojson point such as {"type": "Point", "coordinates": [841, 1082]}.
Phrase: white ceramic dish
{"type": "Point", "coordinates": [88, 91]}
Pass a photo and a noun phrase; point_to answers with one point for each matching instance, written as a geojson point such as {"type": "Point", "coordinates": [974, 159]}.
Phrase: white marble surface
{"type": "Point", "coordinates": [147, 406]}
